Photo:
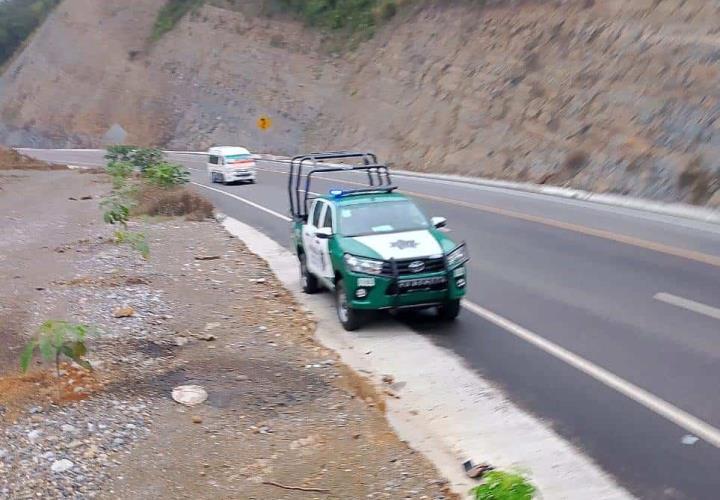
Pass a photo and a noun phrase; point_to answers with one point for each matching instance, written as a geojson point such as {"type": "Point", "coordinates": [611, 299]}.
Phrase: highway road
{"type": "Point", "coordinates": [603, 321]}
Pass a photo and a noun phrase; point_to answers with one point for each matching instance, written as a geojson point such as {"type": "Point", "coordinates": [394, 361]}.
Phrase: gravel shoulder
{"type": "Point", "coordinates": [281, 412]}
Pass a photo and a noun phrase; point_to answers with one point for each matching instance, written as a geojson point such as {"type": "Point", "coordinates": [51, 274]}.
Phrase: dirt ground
{"type": "Point", "coordinates": [283, 418]}
{"type": "Point", "coordinates": [41, 213]}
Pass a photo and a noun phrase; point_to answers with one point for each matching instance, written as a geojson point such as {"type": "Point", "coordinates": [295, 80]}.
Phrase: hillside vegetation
{"type": "Point", "coordinates": [355, 19]}
{"type": "Point", "coordinates": [18, 19]}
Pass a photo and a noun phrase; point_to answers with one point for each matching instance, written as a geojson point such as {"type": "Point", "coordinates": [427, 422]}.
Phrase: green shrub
{"type": "Point", "coordinates": [500, 485]}
{"type": "Point", "coordinates": [354, 16]}
{"type": "Point", "coordinates": [120, 171]}
{"type": "Point", "coordinates": [170, 14]}
{"type": "Point", "coordinates": [18, 19]}
{"type": "Point", "coordinates": [140, 158]}
{"type": "Point", "coordinates": [119, 153]}
{"type": "Point", "coordinates": [116, 209]}
{"type": "Point", "coordinates": [165, 174]}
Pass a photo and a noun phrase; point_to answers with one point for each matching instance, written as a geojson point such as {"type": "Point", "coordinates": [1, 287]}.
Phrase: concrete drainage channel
{"type": "Point", "coordinates": [444, 410]}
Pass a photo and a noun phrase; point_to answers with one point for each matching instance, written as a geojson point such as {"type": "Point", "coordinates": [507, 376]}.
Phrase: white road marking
{"type": "Point", "coordinates": [248, 202]}
{"type": "Point", "coordinates": [690, 305]}
{"type": "Point", "coordinates": [659, 406]}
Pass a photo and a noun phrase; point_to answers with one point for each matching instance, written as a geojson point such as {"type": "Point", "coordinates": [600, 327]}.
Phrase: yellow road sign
{"type": "Point", "coordinates": [264, 123]}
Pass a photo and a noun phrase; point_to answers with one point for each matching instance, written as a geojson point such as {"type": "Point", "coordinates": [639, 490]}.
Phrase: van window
{"type": "Point", "coordinates": [213, 159]}
{"type": "Point", "coordinates": [234, 158]}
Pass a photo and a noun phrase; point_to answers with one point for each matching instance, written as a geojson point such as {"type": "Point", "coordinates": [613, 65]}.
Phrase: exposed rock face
{"type": "Point", "coordinates": [610, 96]}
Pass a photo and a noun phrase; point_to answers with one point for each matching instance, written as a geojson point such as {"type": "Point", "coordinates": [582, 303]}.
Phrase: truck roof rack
{"type": "Point", "coordinates": [378, 176]}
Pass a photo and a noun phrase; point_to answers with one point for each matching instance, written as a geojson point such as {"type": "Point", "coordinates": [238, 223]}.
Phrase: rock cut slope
{"type": "Point", "coordinates": [609, 96]}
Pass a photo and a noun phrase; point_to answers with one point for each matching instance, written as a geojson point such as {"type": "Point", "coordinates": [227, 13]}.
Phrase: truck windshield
{"type": "Point", "coordinates": [377, 218]}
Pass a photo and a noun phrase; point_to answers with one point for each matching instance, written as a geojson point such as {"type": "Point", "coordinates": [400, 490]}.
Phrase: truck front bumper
{"type": "Point", "coordinates": [409, 291]}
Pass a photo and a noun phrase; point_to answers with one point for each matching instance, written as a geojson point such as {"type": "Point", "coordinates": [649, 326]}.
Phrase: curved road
{"type": "Point", "coordinates": [603, 321]}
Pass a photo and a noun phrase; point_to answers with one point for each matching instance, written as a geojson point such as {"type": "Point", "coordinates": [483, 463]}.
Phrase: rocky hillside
{"type": "Point", "coordinates": [611, 96]}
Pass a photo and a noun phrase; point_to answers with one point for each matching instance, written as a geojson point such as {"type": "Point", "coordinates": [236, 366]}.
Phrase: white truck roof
{"type": "Point", "coordinates": [227, 151]}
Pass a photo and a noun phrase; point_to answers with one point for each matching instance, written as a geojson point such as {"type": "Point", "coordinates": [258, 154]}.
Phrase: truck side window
{"type": "Point", "coordinates": [327, 221]}
{"type": "Point", "coordinates": [213, 159]}
{"type": "Point", "coordinates": [317, 210]}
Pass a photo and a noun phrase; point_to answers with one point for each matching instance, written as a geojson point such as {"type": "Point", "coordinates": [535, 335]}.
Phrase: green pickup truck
{"type": "Point", "coordinates": [370, 245]}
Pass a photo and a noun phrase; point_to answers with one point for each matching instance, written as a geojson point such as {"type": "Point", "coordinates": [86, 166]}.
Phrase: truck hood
{"type": "Point", "coordinates": [400, 246]}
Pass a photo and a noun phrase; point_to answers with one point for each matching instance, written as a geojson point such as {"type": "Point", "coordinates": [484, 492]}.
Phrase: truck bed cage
{"type": "Point", "coordinates": [378, 176]}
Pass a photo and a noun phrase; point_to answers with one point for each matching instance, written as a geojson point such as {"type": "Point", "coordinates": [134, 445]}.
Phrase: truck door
{"type": "Point", "coordinates": [310, 241]}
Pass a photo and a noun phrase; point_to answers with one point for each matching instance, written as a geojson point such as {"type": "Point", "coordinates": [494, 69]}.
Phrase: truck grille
{"type": "Point", "coordinates": [408, 267]}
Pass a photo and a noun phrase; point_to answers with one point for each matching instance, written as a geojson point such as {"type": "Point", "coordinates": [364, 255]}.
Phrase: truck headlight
{"type": "Point", "coordinates": [362, 265]}
{"type": "Point", "coordinates": [457, 257]}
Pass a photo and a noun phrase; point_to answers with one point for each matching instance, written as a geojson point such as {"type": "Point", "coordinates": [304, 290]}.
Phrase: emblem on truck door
{"type": "Point", "coordinates": [403, 244]}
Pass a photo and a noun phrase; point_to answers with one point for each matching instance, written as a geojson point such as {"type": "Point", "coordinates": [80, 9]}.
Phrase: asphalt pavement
{"type": "Point", "coordinates": [603, 321]}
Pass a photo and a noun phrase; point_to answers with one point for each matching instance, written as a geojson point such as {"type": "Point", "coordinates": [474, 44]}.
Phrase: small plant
{"type": "Point", "coordinates": [135, 240]}
{"type": "Point", "coordinates": [165, 174]}
{"type": "Point", "coordinates": [55, 339]}
{"type": "Point", "coordinates": [500, 485]}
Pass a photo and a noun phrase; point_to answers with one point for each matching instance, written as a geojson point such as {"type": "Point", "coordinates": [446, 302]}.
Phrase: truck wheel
{"type": "Point", "coordinates": [212, 178]}
{"type": "Point", "coordinates": [449, 310]}
{"type": "Point", "coordinates": [350, 318]}
{"type": "Point", "coordinates": [308, 280]}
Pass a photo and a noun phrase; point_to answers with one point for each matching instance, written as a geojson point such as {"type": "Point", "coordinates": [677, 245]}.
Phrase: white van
{"type": "Point", "coordinates": [228, 164]}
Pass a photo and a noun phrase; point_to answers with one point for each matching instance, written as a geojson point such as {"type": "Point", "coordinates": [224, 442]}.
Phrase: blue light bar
{"type": "Point", "coordinates": [336, 192]}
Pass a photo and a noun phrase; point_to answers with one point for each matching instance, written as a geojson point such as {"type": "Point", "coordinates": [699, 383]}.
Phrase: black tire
{"type": "Point", "coordinates": [212, 178]}
{"type": "Point", "coordinates": [252, 181]}
{"type": "Point", "coordinates": [308, 280]}
{"type": "Point", "coordinates": [449, 310]}
{"type": "Point", "coordinates": [351, 319]}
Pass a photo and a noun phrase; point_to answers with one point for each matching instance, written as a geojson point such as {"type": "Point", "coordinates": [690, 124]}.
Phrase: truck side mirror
{"type": "Point", "coordinates": [439, 222]}
{"type": "Point", "coordinates": [324, 233]}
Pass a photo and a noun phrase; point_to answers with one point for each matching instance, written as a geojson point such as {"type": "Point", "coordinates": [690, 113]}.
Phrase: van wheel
{"type": "Point", "coordinates": [308, 280]}
{"type": "Point", "coordinates": [351, 319]}
{"type": "Point", "coordinates": [212, 178]}
{"type": "Point", "coordinates": [449, 310]}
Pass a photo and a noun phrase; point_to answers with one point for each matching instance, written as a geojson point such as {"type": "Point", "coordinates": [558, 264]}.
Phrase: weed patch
{"type": "Point", "coordinates": [170, 14]}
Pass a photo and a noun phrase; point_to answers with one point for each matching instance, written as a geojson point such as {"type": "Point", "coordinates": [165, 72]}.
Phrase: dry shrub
{"type": "Point", "coordinates": [698, 181]}
{"type": "Point", "coordinates": [12, 160]}
{"type": "Point", "coordinates": [576, 161]}
{"type": "Point", "coordinates": [172, 202]}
